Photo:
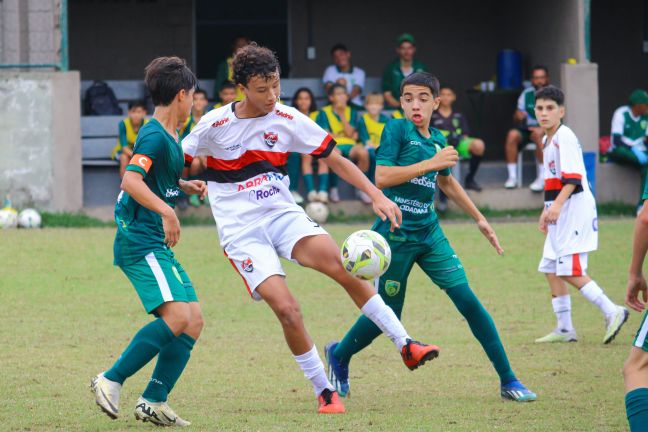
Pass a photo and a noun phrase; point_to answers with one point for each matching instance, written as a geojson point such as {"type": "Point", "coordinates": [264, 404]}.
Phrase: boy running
{"type": "Point", "coordinates": [412, 158]}
{"type": "Point", "coordinates": [147, 229]}
{"type": "Point", "coordinates": [569, 221]}
{"type": "Point", "coordinates": [247, 145]}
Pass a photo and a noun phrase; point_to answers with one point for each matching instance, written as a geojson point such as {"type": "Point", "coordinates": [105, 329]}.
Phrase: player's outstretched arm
{"type": "Point", "coordinates": [456, 193]}
{"type": "Point", "coordinates": [382, 206]}
{"type": "Point", "coordinates": [636, 280]}
{"type": "Point", "coordinates": [133, 184]}
{"type": "Point", "coordinates": [388, 176]}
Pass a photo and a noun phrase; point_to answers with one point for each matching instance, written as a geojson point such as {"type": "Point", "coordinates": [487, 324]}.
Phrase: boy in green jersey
{"type": "Point", "coordinates": [412, 158]}
{"type": "Point", "coordinates": [147, 229]}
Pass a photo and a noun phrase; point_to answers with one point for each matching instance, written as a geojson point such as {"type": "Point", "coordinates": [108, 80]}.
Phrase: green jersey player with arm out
{"type": "Point", "coordinates": [147, 229]}
{"type": "Point", "coordinates": [412, 158]}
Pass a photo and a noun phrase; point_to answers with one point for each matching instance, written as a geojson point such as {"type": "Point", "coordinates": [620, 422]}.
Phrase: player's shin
{"type": "Point", "coordinates": [311, 363]}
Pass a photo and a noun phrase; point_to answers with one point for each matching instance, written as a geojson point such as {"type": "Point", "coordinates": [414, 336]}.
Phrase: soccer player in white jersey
{"type": "Point", "coordinates": [247, 144]}
{"type": "Point", "coordinates": [569, 221]}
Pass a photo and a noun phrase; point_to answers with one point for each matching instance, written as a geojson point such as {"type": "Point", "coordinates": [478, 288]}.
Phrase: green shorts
{"type": "Point", "coordinates": [526, 137]}
{"type": "Point", "coordinates": [463, 146]}
{"type": "Point", "coordinates": [641, 340]}
{"type": "Point", "coordinates": [433, 254]}
{"type": "Point", "coordinates": [159, 278]}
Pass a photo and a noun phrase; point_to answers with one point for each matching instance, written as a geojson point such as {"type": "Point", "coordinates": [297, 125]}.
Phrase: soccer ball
{"type": "Point", "coordinates": [8, 219]}
{"type": "Point", "coordinates": [366, 254]}
{"type": "Point", "coordinates": [29, 218]}
{"type": "Point", "coordinates": [317, 211]}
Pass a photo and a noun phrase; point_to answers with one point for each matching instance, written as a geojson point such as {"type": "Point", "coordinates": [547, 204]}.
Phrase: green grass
{"type": "Point", "coordinates": [67, 313]}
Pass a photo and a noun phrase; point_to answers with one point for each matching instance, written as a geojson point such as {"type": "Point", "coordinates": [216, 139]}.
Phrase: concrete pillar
{"type": "Point", "coordinates": [580, 84]}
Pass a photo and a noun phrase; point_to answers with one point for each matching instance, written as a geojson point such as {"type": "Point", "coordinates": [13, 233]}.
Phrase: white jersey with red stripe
{"type": "Point", "coordinates": [246, 160]}
{"type": "Point", "coordinates": [576, 230]}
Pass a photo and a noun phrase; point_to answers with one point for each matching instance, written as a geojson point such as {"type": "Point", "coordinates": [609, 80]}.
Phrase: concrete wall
{"type": "Point", "coordinates": [40, 140]}
{"type": "Point", "coordinates": [117, 39]}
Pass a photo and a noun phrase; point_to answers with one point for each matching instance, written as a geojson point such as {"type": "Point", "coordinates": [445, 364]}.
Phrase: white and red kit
{"type": "Point", "coordinates": [258, 220]}
{"type": "Point", "coordinates": [576, 231]}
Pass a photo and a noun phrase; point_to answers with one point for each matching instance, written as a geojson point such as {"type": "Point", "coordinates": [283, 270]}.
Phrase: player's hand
{"type": "Point", "coordinates": [552, 214]}
{"type": "Point", "coordinates": [636, 284]}
{"type": "Point", "coordinates": [542, 223]}
{"type": "Point", "coordinates": [194, 187]}
{"type": "Point", "coordinates": [447, 157]}
{"type": "Point", "coordinates": [489, 233]}
{"type": "Point", "coordinates": [171, 226]}
{"type": "Point", "coordinates": [387, 209]}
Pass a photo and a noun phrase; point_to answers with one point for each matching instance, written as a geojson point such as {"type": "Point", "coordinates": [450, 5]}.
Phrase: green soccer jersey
{"type": "Point", "coordinates": [158, 157]}
{"type": "Point", "coordinates": [401, 144]}
{"type": "Point", "coordinates": [526, 103]}
{"type": "Point", "coordinates": [393, 75]}
{"type": "Point", "coordinates": [629, 128]}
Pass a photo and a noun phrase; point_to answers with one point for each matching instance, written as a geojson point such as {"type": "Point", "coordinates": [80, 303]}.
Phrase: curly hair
{"type": "Point", "coordinates": [254, 61]}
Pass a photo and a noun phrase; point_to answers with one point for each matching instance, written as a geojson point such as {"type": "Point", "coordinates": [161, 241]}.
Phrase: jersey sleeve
{"type": "Point", "coordinates": [310, 138]}
{"type": "Point", "coordinates": [195, 143]}
{"type": "Point", "coordinates": [322, 121]}
{"type": "Point", "coordinates": [390, 144]}
{"type": "Point", "coordinates": [571, 161]}
{"type": "Point", "coordinates": [148, 151]}
{"type": "Point", "coordinates": [328, 77]}
{"type": "Point", "coordinates": [443, 143]}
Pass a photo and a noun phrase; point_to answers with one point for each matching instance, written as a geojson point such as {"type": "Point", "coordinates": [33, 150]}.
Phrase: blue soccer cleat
{"type": "Point", "coordinates": [516, 391]}
{"type": "Point", "coordinates": [338, 373]}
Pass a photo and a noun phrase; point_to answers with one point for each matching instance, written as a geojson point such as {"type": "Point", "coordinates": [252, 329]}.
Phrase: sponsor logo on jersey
{"type": "Point", "coordinates": [234, 147]}
{"type": "Point", "coordinates": [595, 224]}
{"type": "Point", "coordinates": [422, 181]}
{"type": "Point", "coordinates": [247, 265]}
{"type": "Point", "coordinates": [284, 115]}
{"type": "Point", "coordinates": [259, 180]}
{"type": "Point", "coordinates": [220, 122]}
{"type": "Point", "coordinates": [261, 194]}
{"type": "Point", "coordinates": [552, 167]}
{"type": "Point", "coordinates": [392, 288]}
{"type": "Point", "coordinates": [415, 143]}
{"type": "Point", "coordinates": [411, 205]}
{"type": "Point", "coordinates": [170, 193]}
{"type": "Point", "coordinates": [270, 138]}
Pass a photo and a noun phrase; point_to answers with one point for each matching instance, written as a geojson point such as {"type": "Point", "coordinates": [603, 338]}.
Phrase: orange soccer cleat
{"type": "Point", "coordinates": [329, 403]}
{"type": "Point", "coordinates": [415, 354]}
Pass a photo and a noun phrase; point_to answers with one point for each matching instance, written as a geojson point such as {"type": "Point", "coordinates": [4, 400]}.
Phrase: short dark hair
{"type": "Point", "coordinates": [539, 67]}
{"type": "Point", "coordinates": [424, 79]}
{"type": "Point", "coordinates": [138, 103]}
{"type": "Point", "coordinates": [331, 89]}
{"type": "Point", "coordinates": [551, 92]}
{"type": "Point", "coordinates": [254, 61]}
{"type": "Point", "coordinates": [339, 47]}
{"type": "Point", "coordinates": [202, 92]}
{"type": "Point", "coordinates": [227, 85]}
{"type": "Point", "coordinates": [165, 77]}
{"type": "Point", "coordinates": [313, 105]}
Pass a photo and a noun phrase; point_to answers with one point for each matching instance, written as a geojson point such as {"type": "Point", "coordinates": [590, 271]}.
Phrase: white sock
{"type": "Point", "coordinates": [313, 368]}
{"type": "Point", "coordinates": [562, 309]}
{"type": "Point", "coordinates": [384, 317]}
{"type": "Point", "coordinates": [512, 170]}
{"type": "Point", "coordinates": [592, 292]}
{"type": "Point", "coordinates": [540, 170]}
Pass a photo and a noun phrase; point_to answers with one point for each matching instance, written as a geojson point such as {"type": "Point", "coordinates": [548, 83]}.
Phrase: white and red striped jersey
{"type": "Point", "coordinates": [577, 228]}
{"type": "Point", "coordinates": [246, 161]}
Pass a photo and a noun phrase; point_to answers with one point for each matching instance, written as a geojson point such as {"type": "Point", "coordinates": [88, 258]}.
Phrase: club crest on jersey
{"type": "Point", "coordinates": [270, 138]}
{"type": "Point", "coordinates": [552, 167]}
{"type": "Point", "coordinates": [247, 266]}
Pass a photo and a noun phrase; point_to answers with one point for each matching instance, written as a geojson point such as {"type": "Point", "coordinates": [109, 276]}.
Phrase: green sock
{"type": "Point", "coordinates": [308, 181]}
{"type": "Point", "coordinates": [171, 362]}
{"type": "Point", "coordinates": [294, 168]}
{"type": "Point", "coordinates": [636, 402]}
{"type": "Point", "coordinates": [360, 336]}
{"type": "Point", "coordinates": [323, 182]}
{"type": "Point", "coordinates": [482, 326]}
{"type": "Point", "coordinates": [333, 180]}
{"type": "Point", "coordinates": [146, 343]}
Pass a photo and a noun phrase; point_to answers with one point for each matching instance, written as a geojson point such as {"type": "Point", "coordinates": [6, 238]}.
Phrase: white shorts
{"type": "Point", "coordinates": [569, 265]}
{"type": "Point", "coordinates": [255, 254]}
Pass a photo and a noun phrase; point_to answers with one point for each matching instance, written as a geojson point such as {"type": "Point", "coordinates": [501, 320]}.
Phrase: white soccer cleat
{"type": "Point", "coordinates": [159, 413]}
{"type": "Point", "coordinates": [364, 197]}
{"type": "Point", "coordinates": [537, 185]}
{"type": "Point", "coordinates": [614, 322]}
{"type": "Point", "coordinates": [334, 195]}
{"type": "Point", "coordinates": [323, 196]}
{"type": "Point", "coordinates": [312, 196]}
{"type": "Point", "coordinates": [106, 395]}
{"type": "Point", "coordinates": [558, 336]}
{"type": "Point", "coordinates": [297, 197]}
{"type": "Point", "coordinates": [511, 183]}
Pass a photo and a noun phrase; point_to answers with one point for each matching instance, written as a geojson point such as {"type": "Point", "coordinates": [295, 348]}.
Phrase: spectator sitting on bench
{"type": "Point", "coordinates": [226, 94]}
{"type": "Point", "coordinates": [225, 72]}
{"type": "Point", "coordinates": [399, 69]}
{"type": "Point", "coordinates": [454, 127]}
{"type": "Point", "coordinates": [629, 129]}
{"type": "Point", "coordinates": [304, 101]}
{"type": "Point", "coordinates": [345, 73]}
{"type": "Point", "coordinates": [370, 128]}
{"type": "Point", "coordinates": [341, 121]}
{"type": "Point", "coordinates": [527, 130]}
{"type": "Point", "coordinates": [128, 129]}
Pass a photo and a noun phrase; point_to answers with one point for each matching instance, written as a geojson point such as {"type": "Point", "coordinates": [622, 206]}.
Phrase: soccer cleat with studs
{"type": "Point", "coordinates": [416, 354]}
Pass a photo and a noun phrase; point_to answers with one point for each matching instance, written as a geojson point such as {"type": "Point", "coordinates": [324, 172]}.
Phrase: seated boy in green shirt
{"type": "Point", "coordinates": [370, 128]}
{"type": "Point", "coordinates": [128, 129]}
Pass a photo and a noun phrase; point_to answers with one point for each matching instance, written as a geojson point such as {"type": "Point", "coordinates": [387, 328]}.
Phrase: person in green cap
{"type": "Point", "coordinates": [399, 69]}
{"type": "Point", "coordinates": [629, 129]}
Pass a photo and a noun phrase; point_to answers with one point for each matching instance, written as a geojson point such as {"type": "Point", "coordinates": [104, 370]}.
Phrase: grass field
{"type": "Point", "coordinates": [67, 313]}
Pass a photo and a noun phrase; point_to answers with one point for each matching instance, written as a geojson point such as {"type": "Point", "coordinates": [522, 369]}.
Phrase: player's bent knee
{"type": "Point", "coordinates": [636, 364]}
{"type": "Point", "coordinates": [289, 314]}
{"type": "Point", "coordinates": [177, 316]}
